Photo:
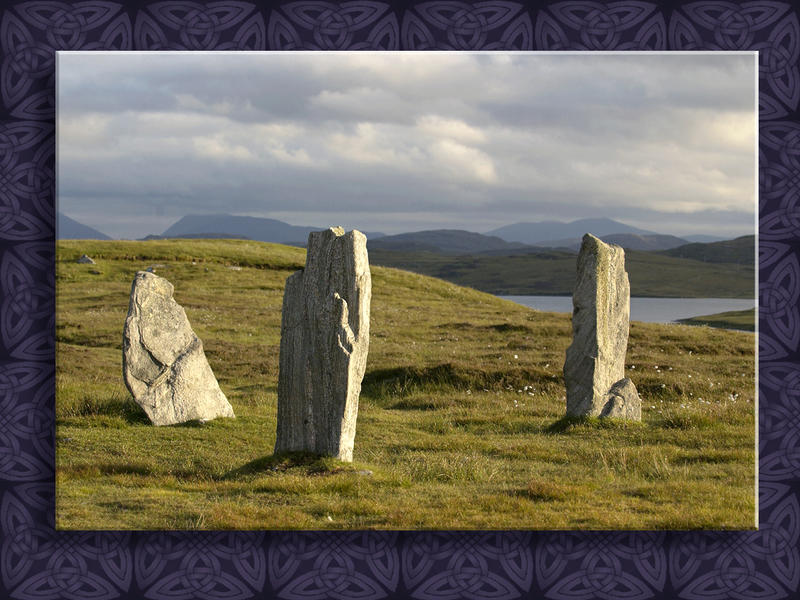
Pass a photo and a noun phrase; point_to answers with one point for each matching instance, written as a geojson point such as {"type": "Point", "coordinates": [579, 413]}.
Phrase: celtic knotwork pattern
{"type": "Point", "coordinates": [779, 422]}
{"type": "Point", "coordinates": [27, 318]}
{"type": "Point", "coordinates": [759, 564]}
{"type": "Point", "coordinates": [21, 189]}
{"type": "Point", "coordinates": [778, 187]}
{"type": "Point", "coordinates": [334, 565]}
{"type": "Point", "coordinates": [769, 349]}
{"type": "Point", "coordinates": [607, 565]}
{"type": "Point", "coordinates": [27, 181]}
{"type": "Point", "coordinates": [319, 25]}
{"type": "Point", "coordinates": [25, 301]}
{"type": "Point", "coordinates": [735, 26]}
{"type": "Point", "coordinates": [778, 57]}
{"type": "Point", "coordinates": [26, 421]}
{"type": "Point", "coordinates": [201, 565]}
{"type": "Point", "coordinates": [489, 25]}
{"type": "Point", "coordinates": [67, 26]}
{"type": "Point", "coordinates": [779, 306]}
{"type": "Point", "coordinates": [779, 181]}
{"type": "Point", "coordinates": [33, 31]}
{"type": "Point", "coordinates": [37, 562]}
{"type": "Point", "coordinates": [222, 25]}
{"type": "Point", "coordinates": [480, 565]}
{"type": "Point", "coordinates": [766, 26]}
{"type": "Point", "coordinates": [627, 25]}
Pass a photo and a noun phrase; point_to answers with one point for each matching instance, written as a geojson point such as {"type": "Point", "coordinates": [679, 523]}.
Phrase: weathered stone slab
{"type": "Point", "coordinates": [163, 362]}
{"type": "Point", "coordinates": [324, 346]}
{"type": "Point", "coordinates": [85, 260]}
{"type": "Point", "coordinates": [595, 362]}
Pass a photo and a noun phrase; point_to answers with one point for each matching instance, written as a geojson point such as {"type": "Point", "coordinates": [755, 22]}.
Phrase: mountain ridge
{"type": "Point", "coordinates": [260, 229]}
{"type": "Point", "coordinates": [629, 241]}
{"type": "Point", "coordinates": [533, 232]}
{"type": "Point", "coordinates": [70, 229]}
{"type": "Point", "coordinates": [445, 241]}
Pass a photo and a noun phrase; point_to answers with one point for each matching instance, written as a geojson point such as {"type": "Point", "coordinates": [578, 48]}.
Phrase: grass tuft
{"type": "Point", "coordinates": [570, 424]}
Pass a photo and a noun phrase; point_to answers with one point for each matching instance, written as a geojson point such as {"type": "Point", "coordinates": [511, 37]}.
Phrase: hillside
{"type": "Point", "coordinates": [208, 235]}
{"type": "Point", "coordinates": [445, 241]}
{"type": "Point", "coordinates": [632, 241]}
{"type": "Point", "coordinates": [744, 320]}
{"type": "Point", "coordinates": [460, 418]}
{"type": "Point", "coordinates": [702, 238]}
{"type": "Point", "coordinates": [553, 273]}
{"type": "Point", "coordinates": [738, 251]}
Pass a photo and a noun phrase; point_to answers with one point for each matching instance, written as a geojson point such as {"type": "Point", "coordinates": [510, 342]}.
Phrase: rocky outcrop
{"type": "Point", "coordinates": [163, 362]}
{"type": "Point", "coordinates": [594, 370]}
{"type": "Point", "coordinates": [324, 345]}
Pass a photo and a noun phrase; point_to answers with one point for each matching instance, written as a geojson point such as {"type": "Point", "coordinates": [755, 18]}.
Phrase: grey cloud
{"type": "Point", "coordinates": [516, 136]}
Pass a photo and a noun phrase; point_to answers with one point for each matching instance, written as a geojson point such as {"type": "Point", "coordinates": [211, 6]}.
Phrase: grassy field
{"type": "Point", "coordinates": [734, 319]}
{"type": "Point", "coordinates": [460, 421]}
{"type": "Point", "coordinates": [651, 274]}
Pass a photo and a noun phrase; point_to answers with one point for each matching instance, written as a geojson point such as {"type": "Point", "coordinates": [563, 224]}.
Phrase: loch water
{"type": "Point", "coordinates": [649, 310]}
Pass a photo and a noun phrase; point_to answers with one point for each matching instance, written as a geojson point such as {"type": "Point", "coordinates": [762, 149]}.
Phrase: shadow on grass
{"type": "Point", "coordinates": [125, 408]}
{"type": "Point", "coordinates": [134, 414]}
{"type": "Point", "coordinates": [300, 463]}
{"type": "Point", "coordinates": [540, 491]}
{"type": "Point", "coordinates": [398, 381]}
{"type": "Point", "coordinates": [568, 424]}
{"type": "Point", "coordinates": [499, 327]}
{"type": "Point", "coordinates": [686, 421]}
{"type": "Point", "coordinates": [125, 469]}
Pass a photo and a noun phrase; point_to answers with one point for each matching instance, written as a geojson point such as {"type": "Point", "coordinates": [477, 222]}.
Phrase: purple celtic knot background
{"type": "Point", "coordinates": [38, 562]}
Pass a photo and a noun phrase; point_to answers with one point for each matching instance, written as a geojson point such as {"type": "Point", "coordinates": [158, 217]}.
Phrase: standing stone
{"type": "Point", "coordinates": [85, 260]}
{"type": "Point", "coordinates": [594, 371]}
{"type": "Point", "coordinates": [324, 344]}
{"type": "Point", "coordinates": [163, 362]}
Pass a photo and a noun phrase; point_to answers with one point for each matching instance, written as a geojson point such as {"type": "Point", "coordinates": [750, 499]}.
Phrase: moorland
{"type": "Point", "coordinates": [460, 421]}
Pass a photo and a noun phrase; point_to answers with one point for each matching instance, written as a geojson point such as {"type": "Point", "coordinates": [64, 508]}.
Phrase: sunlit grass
{"type": "Point", "coordinates": [460, 422]}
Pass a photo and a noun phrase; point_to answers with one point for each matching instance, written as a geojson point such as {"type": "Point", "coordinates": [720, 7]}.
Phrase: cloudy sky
{"type": "Point", "coordinates": [399, 142]}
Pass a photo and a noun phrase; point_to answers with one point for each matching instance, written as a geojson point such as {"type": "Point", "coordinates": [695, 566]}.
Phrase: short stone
{"type": "Point", "coordinates": [622, 401]}
{"type": "Point", "coordinates": [85, 260]}
{"type": "Point", "coordinates": [163, 362]}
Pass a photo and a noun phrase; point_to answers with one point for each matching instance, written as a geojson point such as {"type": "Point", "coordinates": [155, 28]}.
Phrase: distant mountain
{"type": "Point", "coordinates": [629, 241]}
{"type": "Point", "coordinates": [70, 229]}
{"type": "Point", "coordinates": [739, 251]}
{"type": "Point", "coordinates": [535, 233]}
{"type": "Point", "coordinates": [704, 239]}
{"type": "Point", "coordinates": [253, 228]}
{"type": "Point", "coordinates": [445, 241]}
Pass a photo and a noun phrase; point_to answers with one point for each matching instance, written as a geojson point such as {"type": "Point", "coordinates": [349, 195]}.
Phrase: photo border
{"type": "Point", "coordinates": [38, 562]}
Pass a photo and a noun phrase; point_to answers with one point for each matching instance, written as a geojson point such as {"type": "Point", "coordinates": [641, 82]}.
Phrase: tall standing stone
{"type": "Point", "coordinates": [324, 345]}
{"type": "Point", "coordinates": [163, 362]}
{"type": "Point", "coordinates": [594, 370]}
